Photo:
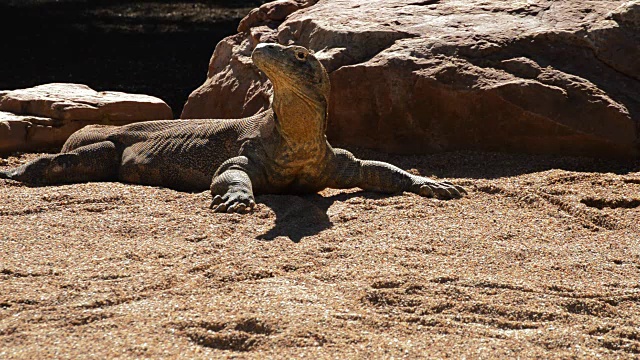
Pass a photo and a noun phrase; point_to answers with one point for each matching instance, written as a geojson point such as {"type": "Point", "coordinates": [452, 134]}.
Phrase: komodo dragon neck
{"type": "Point", "coordinates": [300, 119]}
{"type": "Point", "coordinates": [301, 89]}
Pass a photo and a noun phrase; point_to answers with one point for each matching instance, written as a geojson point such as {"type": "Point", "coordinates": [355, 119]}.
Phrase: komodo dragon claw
{"type": "Point", "coordinates": [441, 190]}
{"type": "Point", "coordinates": [232, 203]}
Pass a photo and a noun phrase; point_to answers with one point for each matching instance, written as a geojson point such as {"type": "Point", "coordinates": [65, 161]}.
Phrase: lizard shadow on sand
{"type": "Point", "coordinates": [300, 216]}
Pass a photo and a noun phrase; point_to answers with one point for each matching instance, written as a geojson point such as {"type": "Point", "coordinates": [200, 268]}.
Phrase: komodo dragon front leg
{"type": "Point", "coordinates": [232, 185]}
{"type": "Point", "coordinates": [346, 171]}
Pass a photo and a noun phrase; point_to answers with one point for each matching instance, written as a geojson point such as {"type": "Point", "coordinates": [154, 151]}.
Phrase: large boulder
{"type": "Point", "coordinates": [423, 76]}
{"type": "Point", "coordinates": [43, 117]}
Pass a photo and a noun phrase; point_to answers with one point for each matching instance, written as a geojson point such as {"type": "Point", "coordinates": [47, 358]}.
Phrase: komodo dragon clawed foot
{"type": "Point", "coordinates": [281, 150]}
{"type": "Point", "coordinates": [238, 202]}
{"type": "Point", "coordinates": [440, 190]}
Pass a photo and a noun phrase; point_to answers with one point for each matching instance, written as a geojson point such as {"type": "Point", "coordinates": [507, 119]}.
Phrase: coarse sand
{"type": "Point", "coordinates": [541, 259]}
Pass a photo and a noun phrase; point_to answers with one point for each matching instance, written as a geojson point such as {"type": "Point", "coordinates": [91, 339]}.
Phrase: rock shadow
{"type": "Point", "coordinates": [494, 165]}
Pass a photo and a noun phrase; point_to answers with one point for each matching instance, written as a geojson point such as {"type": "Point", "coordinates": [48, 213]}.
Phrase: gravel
{"type": "Point", "coordinates": [541, 259]}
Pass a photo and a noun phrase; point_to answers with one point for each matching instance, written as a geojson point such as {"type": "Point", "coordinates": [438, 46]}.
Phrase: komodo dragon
{"type": "Point", "coordinates": [281, 150]}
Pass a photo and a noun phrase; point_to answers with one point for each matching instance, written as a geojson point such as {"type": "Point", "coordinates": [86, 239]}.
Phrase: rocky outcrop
{"type": "Point", "coordinates": [425, 76]}
{"type": "Point", "coordinates": [43, 117]}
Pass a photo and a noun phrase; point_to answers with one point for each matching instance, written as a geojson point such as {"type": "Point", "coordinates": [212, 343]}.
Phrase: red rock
{"type": "Point", "coordinates": [425, 76]}
{"type": "Point", "coordinates": [32, 133]}
{"type": "Point", "coordinates": [43, 117]}
{"type": "Point", "coordinates": [80, 102]}
{"type": "Point", "coordinates": [272, 12]}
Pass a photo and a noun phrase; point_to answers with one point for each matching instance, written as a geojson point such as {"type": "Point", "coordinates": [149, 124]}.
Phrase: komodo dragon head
{"type": "Point", "coordinates": [301, 84]}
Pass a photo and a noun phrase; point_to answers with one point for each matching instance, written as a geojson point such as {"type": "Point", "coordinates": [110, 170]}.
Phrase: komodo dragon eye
{"type": "Point", "coordinates": [301, 55]}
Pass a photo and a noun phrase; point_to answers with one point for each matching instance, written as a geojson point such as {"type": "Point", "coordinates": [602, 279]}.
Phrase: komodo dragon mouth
{"type": "Point", "coordinates": [281, 150]}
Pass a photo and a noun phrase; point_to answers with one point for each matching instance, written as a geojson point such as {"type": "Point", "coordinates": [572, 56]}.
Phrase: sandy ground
{"type": "Point", "coordinates": [541, 259]}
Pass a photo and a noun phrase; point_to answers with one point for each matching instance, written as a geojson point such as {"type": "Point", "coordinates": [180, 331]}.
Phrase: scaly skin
{"type": "Point", "coordinates": [281, 150]}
